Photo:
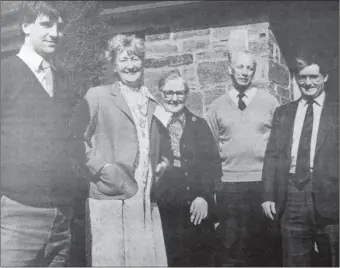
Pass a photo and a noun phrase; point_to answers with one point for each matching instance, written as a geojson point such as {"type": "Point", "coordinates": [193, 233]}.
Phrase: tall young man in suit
{"type": "Point", "coordinates": [240, 121]}
{"type": "Point", "coordinates": [36, 171]}
{"type": "Point", "coordinates": [301, 169]}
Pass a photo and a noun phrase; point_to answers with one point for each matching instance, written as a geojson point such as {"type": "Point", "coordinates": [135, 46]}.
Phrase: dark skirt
{"type": "Point", "coordinates": [186, 244]}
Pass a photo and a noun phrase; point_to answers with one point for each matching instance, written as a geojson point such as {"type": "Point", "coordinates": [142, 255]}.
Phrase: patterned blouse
{"type": "Point", "coordinates": [176, 127]}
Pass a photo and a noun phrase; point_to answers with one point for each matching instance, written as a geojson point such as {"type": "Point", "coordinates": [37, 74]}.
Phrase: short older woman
{"type": "Point", "coordinates": [185, 193]}
{"type": "Point", "coordinates": [124, 224]}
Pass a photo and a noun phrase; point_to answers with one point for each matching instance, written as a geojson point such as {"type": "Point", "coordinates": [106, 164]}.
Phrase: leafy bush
{"type": "Point", "coordinates": [84, 39]}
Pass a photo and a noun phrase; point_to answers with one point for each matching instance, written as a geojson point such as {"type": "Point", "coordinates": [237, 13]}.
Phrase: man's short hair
{"type": "Point", "coordinates": [232, 53]}
{"type": "Point", "coordinates": [31, 10]}
{"type": "Point", "coordinates": [306, 58]}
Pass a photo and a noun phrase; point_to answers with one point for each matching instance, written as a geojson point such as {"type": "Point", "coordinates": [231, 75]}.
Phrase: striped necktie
{"type": "Point", "coordinates": [48, 77]}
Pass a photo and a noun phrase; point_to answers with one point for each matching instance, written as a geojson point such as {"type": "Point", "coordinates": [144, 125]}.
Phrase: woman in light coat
{"type": "Point", "coordinates": [126, 148]}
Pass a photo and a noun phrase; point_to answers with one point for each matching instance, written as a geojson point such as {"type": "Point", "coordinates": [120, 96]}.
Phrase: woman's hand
{"type": "Point", "coordinates": [198, 210]}
{"type": "Point", "coordinates": [160, 169]}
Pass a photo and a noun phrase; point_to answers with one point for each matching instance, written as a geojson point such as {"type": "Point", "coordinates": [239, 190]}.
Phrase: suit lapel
{"type": "Point", "coordinates": [326, 124]}
{"type": "Point", "coordinates": [288, 125]}
{"type": "Point", "coordinates": [119, 100]}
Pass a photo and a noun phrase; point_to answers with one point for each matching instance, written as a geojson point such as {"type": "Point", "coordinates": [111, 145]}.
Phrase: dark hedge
{"type": "Point", "coordinates": [81, 53]}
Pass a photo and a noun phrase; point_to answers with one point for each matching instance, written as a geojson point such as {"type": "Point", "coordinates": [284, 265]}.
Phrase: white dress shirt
{"type": "Point", "coordinates": [298, 124]}
{"type": "Point", "coordinates": [33, 60]}
{"type": "Point", "coordinates": [249, 95]}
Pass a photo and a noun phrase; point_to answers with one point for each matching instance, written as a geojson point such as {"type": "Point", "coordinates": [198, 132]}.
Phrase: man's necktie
{"type": "Point", "coordinates": [303, 156]}
{"type": "Point", "coordinates": [241, 104]}
{"type": "Point", "coordinates": [48, 77]}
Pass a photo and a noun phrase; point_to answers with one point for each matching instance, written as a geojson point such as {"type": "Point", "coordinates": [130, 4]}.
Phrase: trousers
{"type": "Point", "coordinates": [32, 236]}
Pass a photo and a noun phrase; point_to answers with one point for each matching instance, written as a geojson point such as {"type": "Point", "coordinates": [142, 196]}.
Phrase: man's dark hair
{"type": "Point", "coordinates": [31, 10]}
{"type": "Point", "coordinates": [306, 58]}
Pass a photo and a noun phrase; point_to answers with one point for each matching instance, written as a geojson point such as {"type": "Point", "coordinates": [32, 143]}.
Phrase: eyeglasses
{"type": "Point", "coordinates": [315, 78]}
{"type": "Point", "coordinates": [169, 94]}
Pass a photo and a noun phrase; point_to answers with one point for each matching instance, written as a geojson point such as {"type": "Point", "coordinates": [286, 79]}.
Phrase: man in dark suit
{"type": "Point", "coordinates": [37, 175]}
{"type": "Point", "coordinates": [301, 170]}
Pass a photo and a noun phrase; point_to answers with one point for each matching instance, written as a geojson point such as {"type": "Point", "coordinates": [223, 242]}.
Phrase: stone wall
{"type": "Point", "coordinates": [201, 57]}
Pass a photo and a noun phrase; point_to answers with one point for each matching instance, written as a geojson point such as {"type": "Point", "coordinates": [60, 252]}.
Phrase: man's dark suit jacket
{"type": "Point", "coordinates": [326, 161]}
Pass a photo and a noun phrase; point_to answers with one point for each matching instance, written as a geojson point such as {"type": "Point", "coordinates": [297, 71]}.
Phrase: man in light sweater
{"type": "Point", "coordinates": [240, 122]}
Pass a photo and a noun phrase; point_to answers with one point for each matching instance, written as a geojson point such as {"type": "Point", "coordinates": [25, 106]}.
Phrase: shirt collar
{"type": "Point", "coordinates": [249, 93]}
{"type": "Point", "coordinates": [31, 58]}
{"type": "Point", "coordinates": [319, 100]}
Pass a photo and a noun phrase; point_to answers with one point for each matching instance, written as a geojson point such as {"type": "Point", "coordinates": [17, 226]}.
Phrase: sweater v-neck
{"type": "Point", "coordinates": [28, 70]}
{"type": "Point", "coordinates": [246, 110]}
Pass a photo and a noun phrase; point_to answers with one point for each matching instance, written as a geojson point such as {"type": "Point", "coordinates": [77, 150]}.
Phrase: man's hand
{"type": "Point", "coordinates": [198, 210]}
{"type": "Point", "coordinates": [160, 169]}
{"type": "Point", "coordinates": [269, 209]}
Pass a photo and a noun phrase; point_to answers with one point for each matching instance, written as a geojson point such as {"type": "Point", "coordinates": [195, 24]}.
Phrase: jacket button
{"type": "Point", "coordinates": [186, 173]}
{"type": "Point", "coordinates": [188, 188]}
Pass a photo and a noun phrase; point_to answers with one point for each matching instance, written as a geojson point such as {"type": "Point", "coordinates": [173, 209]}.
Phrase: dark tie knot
{"type": "Point", "coordinates": [310, 102]}
{"type": "Point", "coordinates": [241, 95]}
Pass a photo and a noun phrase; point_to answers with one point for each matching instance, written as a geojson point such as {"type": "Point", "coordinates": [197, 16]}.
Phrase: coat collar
{"type": "Point", "coordinates": [120, 102]}
{"type": "Point", "coordinates": [288, 124]}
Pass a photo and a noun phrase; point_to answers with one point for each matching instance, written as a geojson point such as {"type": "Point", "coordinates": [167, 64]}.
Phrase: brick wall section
{"type": "Point", "coordinates": [201, 57]}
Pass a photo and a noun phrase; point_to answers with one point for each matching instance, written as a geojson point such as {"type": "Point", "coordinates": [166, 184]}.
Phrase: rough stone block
{"type": "Point", "coordinates": [189, 72]}
{"type": "Point", "coordinates": [221, 33]}
{"type": "Point", "coordinates": [212, 72]}
{"type": "Point", "coordinates": [283, 92]}
{"type": "Point", "coordinates": [170, 61]}
{"type": "Point", "coordinates": [161, 48]}
{"type": "Point", "coordinates": [157, 37]}
{"type": "Point", "coordinates": [261, 69]}
{"type": "Point", "coordinates": [212, 55]}
{"type": "Point", "coordinates": [272, 88]}
{"type": "Point", "coordinates": [259, 46]}
{"type": "Point", "coordinates": [258, 31]}
{"type": "Point", "coordinates": [278, 74]}
{"type": "Point", "coordinates": [195, 103]}
{"type": "Point", "coordinates": [261, 85]}
{"type": "Point", "coordinates": [219, 45]}
{"type": "Point", "coordinates": [213, 94]}
{"type": "Point", "coordinates": [191, 33]}
{"type": "Point", "coordinates": [151, 79]}
{"type": "Point", "coordinates": [238, 40]}
{"type": "Point", "coordinates": [195, 44]}
{"type": "Point", "coordinates": [157, 34]}
{"type": "Point", "coordinates": [277, 53]}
